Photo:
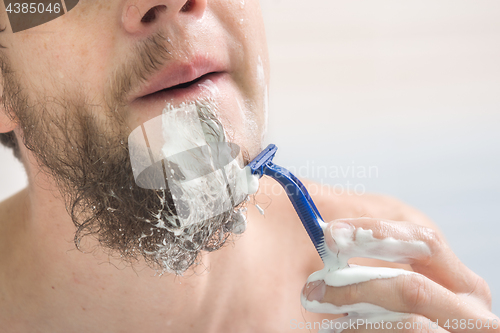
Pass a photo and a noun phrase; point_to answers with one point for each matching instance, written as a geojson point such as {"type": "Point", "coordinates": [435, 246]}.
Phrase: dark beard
{"type": "Point", "coordinates": [90, 163]}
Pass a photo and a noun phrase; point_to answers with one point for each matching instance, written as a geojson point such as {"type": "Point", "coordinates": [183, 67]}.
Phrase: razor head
{"type": "Point", "coordinates": [266, 156]}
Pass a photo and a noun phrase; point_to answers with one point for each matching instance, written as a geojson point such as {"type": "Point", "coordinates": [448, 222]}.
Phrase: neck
{"type": "Point", "coordinates": [44, 257]}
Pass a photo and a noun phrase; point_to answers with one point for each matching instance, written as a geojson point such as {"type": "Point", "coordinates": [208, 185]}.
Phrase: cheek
{"type": "Point", "coordinates": [244, 26]}
{"type": "Point", "coordinates": [256, 56]}
{"type": "Point", "coordinates": [50, 65]}
{"type": "Point", "coordinates": [70, 54]}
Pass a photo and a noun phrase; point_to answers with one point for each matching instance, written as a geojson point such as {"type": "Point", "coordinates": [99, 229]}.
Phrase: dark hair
{"type": "Point", "coordinates": [9, 140]}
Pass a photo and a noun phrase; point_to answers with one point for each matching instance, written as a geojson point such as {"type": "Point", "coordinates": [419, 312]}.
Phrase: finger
{"type": "Point", "coordinates": [403, 242]}
{"type": "Point", "coordinates": [350, 324]}
{"type": "Point", "coordinates": [411, 294]}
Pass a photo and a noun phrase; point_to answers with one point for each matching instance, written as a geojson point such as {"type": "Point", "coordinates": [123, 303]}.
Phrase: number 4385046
{"type": "Point", "coordinates": [33, 8]}
{"type": "Point", "coordinates": [471, 324]}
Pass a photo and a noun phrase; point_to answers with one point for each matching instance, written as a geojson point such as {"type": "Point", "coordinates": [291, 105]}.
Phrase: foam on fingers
{"type": "Point", "coordinates": [344, 241]}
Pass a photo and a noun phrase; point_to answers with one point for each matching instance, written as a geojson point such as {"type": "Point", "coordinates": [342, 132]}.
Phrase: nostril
{"type": "Point", "coordinates": [187, 6]}
{"type": "Point", "coordinates": [150, 16]}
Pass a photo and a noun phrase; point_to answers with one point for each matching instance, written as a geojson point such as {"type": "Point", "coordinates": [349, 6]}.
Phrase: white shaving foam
{"type": "Point", "coordinates": [206, 164]}
{"type": "Point", "coordinates": [358, 242]}
{"type": "Point", "coordinates": [210, 86]}
{"type": "Point", "coordinates": [261, 75]}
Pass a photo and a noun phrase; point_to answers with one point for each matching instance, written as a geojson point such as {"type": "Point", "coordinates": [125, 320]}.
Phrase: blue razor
{"type": "Point", "coordinates": [297, 193]}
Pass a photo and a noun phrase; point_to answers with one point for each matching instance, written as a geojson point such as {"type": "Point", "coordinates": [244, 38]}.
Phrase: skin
{"type": "Point", "coordinates": [46, 285]}
{"type": "Point", "coordinates": [445, 290]}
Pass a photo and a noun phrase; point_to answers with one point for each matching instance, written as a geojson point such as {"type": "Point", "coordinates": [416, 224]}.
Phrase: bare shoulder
{"type": "Point", "coordinates": [333, 206]}
{"type": "Point", "coordinates": [10, 217]}
{"type": "Point", "coordinates": [12, 210]}
{"type": "Point", "coordinates": [12, 220]}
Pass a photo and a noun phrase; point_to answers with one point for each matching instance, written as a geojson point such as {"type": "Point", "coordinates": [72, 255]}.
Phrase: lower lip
{"type": "Point", "coordinates": [218, 88]}
{"type": "Point", "coordinates": [193, 92]}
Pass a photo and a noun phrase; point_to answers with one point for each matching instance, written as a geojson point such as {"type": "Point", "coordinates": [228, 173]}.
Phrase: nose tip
{"type": "Point", "coordinates": [140, 15]}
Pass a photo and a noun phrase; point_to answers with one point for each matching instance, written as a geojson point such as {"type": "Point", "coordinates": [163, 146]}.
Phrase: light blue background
{"type": "Point", "coordinates": [409, 87]}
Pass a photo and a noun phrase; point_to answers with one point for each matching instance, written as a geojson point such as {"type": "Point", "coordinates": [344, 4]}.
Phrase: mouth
{"type": "Point", "coordinates": [181, 78]}
{"type": "Point", "coordinates": [198, 79]}
{"type": "Point", "coordinates": [183, 89]}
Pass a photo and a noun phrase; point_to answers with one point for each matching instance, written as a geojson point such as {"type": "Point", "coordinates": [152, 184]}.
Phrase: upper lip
{"type": "Point", "coordinates": [178, 72]}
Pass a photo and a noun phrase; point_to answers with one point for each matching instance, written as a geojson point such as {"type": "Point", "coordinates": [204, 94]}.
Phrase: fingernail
{"type": "Point", "coordinates": [315, 291]}
{"type": "Point", "coordinates": [338, 231]}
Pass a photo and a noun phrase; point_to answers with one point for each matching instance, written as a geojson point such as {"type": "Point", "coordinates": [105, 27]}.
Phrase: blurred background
{"type": "Point", "coordinates": [406, 94]}
{"type": "Point", "coordinates": [393, 97]}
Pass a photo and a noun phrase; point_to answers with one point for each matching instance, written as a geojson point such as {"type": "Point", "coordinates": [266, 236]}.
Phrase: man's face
{"type": "Point", "coordinates": [116, 51]}
{"type": "Point", "coordinates": [80, 84]}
